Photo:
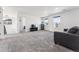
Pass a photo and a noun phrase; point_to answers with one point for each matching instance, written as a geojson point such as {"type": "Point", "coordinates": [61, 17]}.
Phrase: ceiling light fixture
{"type": "Point", "coordinates": [56, 8]}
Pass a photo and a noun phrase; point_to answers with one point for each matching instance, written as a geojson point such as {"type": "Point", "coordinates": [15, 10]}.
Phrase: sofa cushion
{"type": "Point", "coordinates": [77, 33]}
{"type": "Point", "coordinates": [74, 30]}
{"type": "Point", "coordinates": [70, 41]}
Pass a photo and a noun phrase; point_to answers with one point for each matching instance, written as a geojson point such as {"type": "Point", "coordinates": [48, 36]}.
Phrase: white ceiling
{"type": "Point", "coordinates": [41, 10]}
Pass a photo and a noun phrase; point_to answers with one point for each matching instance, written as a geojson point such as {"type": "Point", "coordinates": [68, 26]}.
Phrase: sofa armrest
{"type": "Point", "coordinates": [67, 40]}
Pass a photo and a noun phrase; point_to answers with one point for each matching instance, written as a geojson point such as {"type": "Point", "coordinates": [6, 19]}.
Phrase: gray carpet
{"type": "Point", "coordinates": [30, 41]}
{"type": "Point", "coordinates": [39, 41]}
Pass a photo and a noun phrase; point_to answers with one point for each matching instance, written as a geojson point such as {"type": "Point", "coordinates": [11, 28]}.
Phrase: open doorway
{"type": "Point", "coordinates": [22, 24]}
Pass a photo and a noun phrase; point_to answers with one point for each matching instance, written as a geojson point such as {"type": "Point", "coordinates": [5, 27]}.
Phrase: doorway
{"type": "Point", "coordinates": [22, 24]}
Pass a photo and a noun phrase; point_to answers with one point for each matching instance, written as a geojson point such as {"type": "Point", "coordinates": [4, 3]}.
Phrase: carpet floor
{"type": "Point", "coordinates": [38, 41]}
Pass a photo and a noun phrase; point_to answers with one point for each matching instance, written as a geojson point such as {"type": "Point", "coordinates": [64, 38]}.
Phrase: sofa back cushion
{"type": "Point", "coordinates": [73, 30]}
{"type": "Point", "coordinates": [77, 33]}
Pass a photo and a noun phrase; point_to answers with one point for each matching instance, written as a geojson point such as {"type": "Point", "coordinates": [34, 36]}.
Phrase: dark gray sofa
{"type": "Point", "coordinates": [68, 40]}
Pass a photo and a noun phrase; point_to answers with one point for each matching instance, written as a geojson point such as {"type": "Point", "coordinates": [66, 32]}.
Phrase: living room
{"type": "Point", "coordinates": [22, 18]}
{"type": "Point", "coordinates": [19, 16]}
{"type": "Point", "coordinates": [28, 28]}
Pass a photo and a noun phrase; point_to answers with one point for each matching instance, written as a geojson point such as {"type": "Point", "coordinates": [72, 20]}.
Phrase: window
{"type": "Point", "coordinates": [44, 20]}
{"type": "Point", "coordinates": [56, 21]}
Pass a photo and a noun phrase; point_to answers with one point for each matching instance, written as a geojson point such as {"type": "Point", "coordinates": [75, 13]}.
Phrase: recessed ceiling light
{"type": "Point", "coordinates": [56, 8]}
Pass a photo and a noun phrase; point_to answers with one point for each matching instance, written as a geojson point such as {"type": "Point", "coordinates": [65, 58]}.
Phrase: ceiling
{"type": "Point", "coordinates": [41, 10]}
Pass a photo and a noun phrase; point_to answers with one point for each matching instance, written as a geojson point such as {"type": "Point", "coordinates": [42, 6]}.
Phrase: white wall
{"type": "Point", "coordinates": [33, 20]}
{"type": "Point", "coordinates": [68, 19]}
{"type": "Point", "coordinates": [27, 21]}
{"type": "Point", "coordinates": [16, 26]}
{"type": "Point", "coordinates": [50, 24]}
{"type": "Point", "coordinates": [11, 14]}
{"type": "Point", "coordinates": [1, 22]}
